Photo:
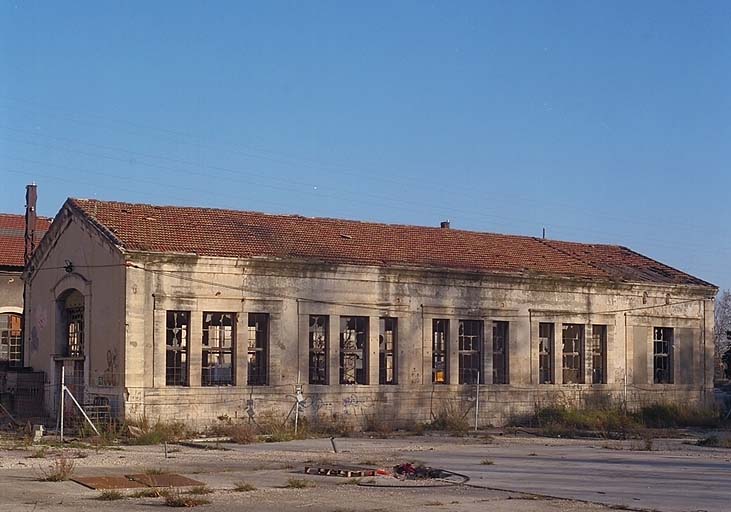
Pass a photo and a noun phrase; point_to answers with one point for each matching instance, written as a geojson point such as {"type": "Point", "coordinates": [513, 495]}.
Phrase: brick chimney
{"type": "Point", "coordinates": [444, 224]}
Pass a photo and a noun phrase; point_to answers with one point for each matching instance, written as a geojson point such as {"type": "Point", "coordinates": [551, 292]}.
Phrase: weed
{"type": "Point", "coordinates": [199, 490]}
{"type": "Point", "coordinates": [151, 492]}
{"type": "Point", "coordinates": [39, 453]}
{"type": "Point", "coordinates": [241, 433]}
{"type": "Point", "coordinates": [298, 483]}
{"type": "Point", "coordinates": [714, 442]}
{"type": "Point", "coordinates": [157, 433]}
{"type": "Point", "coordinates": [452, 417]}
{"type": "Point", "coordinates": [350, 481]}
{"type": "Point", "coordinates": [175, 499]}
{"type": "Point", "coordinates": [155, 471]}
{"type": "Point", "coordinates": [110, 495]}
{"type": "Point", "coordinates": [80, 455]}
{"type": "Point", "coordinates": [243, 487]}
{"type": "Point", "coordinates": [487, 462]}
{"type": "Point", "coordinates": [61, 469]}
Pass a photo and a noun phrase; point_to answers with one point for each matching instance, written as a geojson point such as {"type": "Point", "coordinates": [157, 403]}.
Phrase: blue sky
{"type": "Point", "coordinates": [600, 121]}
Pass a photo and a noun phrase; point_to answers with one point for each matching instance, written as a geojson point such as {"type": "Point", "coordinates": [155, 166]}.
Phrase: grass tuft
{"type": "Point", "coordinates": [110, 495]}
{"type": "Point", "coordinates": [175, 499]}
{"type": "Point", "coordinates": [298, 483]}
{"type": "Point", "coordinates": [61, 469]}
{"type": "Point", "coordinates": [243, 487]}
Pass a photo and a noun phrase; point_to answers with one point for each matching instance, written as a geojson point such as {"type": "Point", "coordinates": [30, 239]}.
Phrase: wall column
{"type": "Point", "coordinates": [159, 357]}
{"type": "Point", "coordinates": [195, 343]}
{"type": "Point", "coordinates": [372, 359]}
{"type": "Point", "coordinates": [241, 349]}
{"type": "Point", "coordinates": [558, 353]}
{"type": "Point", "coordinates": [453, 351]}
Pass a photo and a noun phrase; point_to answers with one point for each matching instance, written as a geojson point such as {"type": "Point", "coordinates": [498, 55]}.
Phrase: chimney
{"type": "Point", "coordinates": [30, 220]}
{"type": "Point", "coordinates": [444, 224]}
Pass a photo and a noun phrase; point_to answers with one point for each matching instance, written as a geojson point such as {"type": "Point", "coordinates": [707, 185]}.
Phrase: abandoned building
{"type": "Point", "coordinates": [18, 385]}
{"type": "Point", "coordinates": [194, 313]}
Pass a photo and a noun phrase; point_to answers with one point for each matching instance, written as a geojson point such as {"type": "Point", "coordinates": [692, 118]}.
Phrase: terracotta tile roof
{"type": "Point", "coordinates": [12, 238]}
{"type": "Point", "coordinates": [229, 233]}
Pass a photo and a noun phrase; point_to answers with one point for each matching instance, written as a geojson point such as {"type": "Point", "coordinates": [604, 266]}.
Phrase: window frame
{"type": "Point", "coordinates": [599, 353]}
{"type": "Point", "coordinates": [440, 351]}
{"type": "Point", "coordinates": [501, 372]}
{"type": "Point", "coordinates": [260, 349]}
{"type": "Point", "coordinates": [475, 341]}
{"type": "Point", "coordinates": [354, 349]}
{"type": "Point", "coordinates": [666, 356]}
{"type": "Point", "coordinates": [384, 352]}
{"type": "Point", "coordinates": [546, 348]}
{"type": "Point", "coordinates": [319, 355]}
{"type": "Point", "coordinates": [12, 342]}
{"type": "Point", "coordinates": [179, 350]}
{"type": "Point", "coordinates": [221, 350]}
{"type": "Point", "coordinates": [573, 352]}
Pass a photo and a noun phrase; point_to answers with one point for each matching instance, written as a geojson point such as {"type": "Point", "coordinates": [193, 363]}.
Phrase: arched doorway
{"type": "Point", "coordinates": [70, 342]}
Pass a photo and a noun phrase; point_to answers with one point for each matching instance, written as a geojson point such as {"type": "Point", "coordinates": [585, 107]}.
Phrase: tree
{"type": "Point", "coordinates": [722, 334]}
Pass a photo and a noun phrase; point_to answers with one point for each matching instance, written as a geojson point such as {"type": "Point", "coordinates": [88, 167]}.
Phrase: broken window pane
{"type": "Point", "coordinates": [470, 351]}
{"type": "Point", "coordinates": [663, 355]}
{"type": "Point", "coordinates": [599, 354]}
{"type": "Point", "coordinates": [353, 343]}
{"type": "Point", "coordinates": [258, 348]}
{"type": "Point", "coordinates": [573, 354]}
{"type": "Point", "coordinates": [11, 336]}
{"type": "Point", "coordinates": [217, 362]}
{"type": "Point", "coordinates": [177, 327]}
{"type": "Point", "coordinates": [440, 342]}
{"type": "Point", "coordinates": [500, 352]}
{"type": "Point", "coordinates": [387, 351]}
{"type": "Point", "coordinates": [545, 353]}
{"type": "Point", "coordinates": [318, 337]}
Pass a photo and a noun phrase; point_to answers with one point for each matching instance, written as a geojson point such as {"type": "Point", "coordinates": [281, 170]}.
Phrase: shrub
{"type": "Point", "coordinates": [175, 499]}
{"type": "Point", "coordinates": [110, 495]}
{"type": "Point", "coordinates": [714, 442]}
{"type": "Point", "coordinates": [674, 415]}
{"type": "Point", "coordinates": [199, 490]}
{"type": "Point", "coordinates": [452, 417]}
{"type": "Point", "coordinates": [157, 433]}
{"type": "Point", "coordinates": [241, 433]}
{"type": "Point", "coordinates": [298, 483]}
{"type": "Point", "coordinates": [243, 487]}
{"type": "Point", "coordinates": [61, 469]}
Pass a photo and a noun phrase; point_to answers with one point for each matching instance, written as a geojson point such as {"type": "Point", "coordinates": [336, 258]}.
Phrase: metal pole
{"type": "Point", "coordinates": [297, 393]}
{"type": "Point", "coordinates": [63, 387]}
{"type": "Point", "coordinates": [82, 411]}
{"type": "Point", "coordinates": [477, 401]}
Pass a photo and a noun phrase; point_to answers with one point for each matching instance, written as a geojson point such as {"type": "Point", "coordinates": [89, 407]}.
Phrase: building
{"type": "Point", "coordinates": [194, 313]}
{"type": "Point", "coordinates": [12, 261]}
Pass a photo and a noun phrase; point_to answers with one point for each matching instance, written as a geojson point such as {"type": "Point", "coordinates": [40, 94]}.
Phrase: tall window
{"type": "Point", "coordinates": [176, 339]}
{"type": "Point", "coordinates": [258, 348]}
{"type": "Point", "coordinates": [500, 352]}
{"type": "Point", "coordinates": [545, 353]}
{"type": "Point", "coordinates": [75, 332]}
{"type": "Point", "coordinates": [599, 354]}
{"type": "Point", "coordinates": [353, 343]}
{"type": "Point", "coordinates": [11, 335]}
{"type": "Point", "coordinates": [318, 349]}
{"type": "Point", "coordinates": [573, 354]}
{"type": "Point", "coordinates": [387, 350]}
{"type": "Point", "coordinates": [663, 355]}
{"type": "Point", "coordinates": [440, 343]}
{"type": "Point", "coordinates": [218, 335]}
{"type": "Point", "coordinates": [470, 351]}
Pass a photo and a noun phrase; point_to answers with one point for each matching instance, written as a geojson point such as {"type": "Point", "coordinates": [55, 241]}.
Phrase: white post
{"type": "Point", "coordinates": [477, 401]}
{"type": "Point", "coordinates": [63, 387]}
{"type": "Point", "coordinates": [82, 410]}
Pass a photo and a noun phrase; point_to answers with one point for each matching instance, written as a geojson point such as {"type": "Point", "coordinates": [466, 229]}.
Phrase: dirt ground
{"type": "Point", "coordinates": [506, 473]}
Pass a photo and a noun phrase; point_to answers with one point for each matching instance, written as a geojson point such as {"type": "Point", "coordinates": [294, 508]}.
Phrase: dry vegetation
{"type": "Point", "coordinates": [61, 469]}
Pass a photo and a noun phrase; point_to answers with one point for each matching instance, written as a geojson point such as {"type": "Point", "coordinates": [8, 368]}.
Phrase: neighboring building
{"type": "Point", "coordinates": [19, 387]}
{"type": "Point", "coordinates": [196, 313]}
{"type": "Point", "coordinates": [12, 249]}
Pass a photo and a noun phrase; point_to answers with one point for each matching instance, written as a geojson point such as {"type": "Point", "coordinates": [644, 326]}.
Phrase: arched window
{"type": "Point", "coordinates": [11, 339]}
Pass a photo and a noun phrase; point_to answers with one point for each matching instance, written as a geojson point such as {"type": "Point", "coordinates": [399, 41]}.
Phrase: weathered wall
{"type": "Point", "coordinates": [98, 273]}
{"type": "Point", "coordinates": [290, 292]}
{"type": "Point", "coordinates": [11, 292]}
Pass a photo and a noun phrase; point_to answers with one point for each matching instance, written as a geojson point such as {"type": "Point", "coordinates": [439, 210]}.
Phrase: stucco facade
{"type": "Point", "coordinates": [128, 298]}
